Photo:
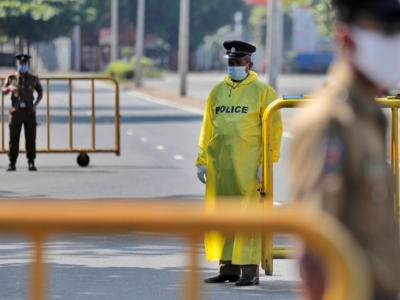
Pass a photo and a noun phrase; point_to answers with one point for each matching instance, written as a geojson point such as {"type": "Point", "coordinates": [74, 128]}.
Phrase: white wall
{"type": "Point", "coordinates": [54, 55]}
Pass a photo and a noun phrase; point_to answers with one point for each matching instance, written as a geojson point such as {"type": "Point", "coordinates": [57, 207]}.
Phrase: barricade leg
{"type": "Point", "coordinates": [192, 291]}
{"type": "Point", "coordinates": [38, 270]}
{"type": "Point", "coordinates": [267, 254]}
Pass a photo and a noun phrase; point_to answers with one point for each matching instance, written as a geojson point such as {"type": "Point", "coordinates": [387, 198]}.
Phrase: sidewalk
{"type": "Point", "coordinates": [167, 95]}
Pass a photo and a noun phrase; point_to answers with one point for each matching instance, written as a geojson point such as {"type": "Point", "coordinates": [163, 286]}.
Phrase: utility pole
{"type": "Point", "coordinates": [77, 48]}
{"type": "Point", "coordinates": [183, 61]}
{"type": "Point", "coordinates": [273, 37]}
{"type": "Point", "coordinates": [139, 47]}
{"type": "Point", "coordinates": [114, 30]}
{"type": "Point", "coordinates": [238, 28]}
{"type": "Point", "coordinates": [77, 41]}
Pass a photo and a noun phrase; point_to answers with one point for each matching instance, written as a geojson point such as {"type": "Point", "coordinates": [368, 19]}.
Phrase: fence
{"type": "Point", "coordinates": [349, 274]}
{"type": "Point", "coordinates": [269, 251]}
{"type": "Point", "coordinates": [83, 158]}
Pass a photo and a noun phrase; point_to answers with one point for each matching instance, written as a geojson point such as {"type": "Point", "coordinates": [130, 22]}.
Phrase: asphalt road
{"type": "Point", "coordinates": [200, 84]}
{"type": "Point", "coordinates": [159, 148]}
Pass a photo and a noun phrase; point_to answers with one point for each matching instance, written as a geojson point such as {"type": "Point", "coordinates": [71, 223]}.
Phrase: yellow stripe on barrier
{"type": "Point", "coordinates": [349, 274]}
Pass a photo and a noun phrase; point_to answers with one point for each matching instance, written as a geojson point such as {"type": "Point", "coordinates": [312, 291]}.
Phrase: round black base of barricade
{"type": "Point", "coordinates": [83, 160]}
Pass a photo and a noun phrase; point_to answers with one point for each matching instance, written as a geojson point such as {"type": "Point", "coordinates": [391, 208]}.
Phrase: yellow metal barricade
{"type": "Point", "coordinates": [269, 252]}
{"type": "Point", "coordinates": [349, 276]}
{"type": "Point", "coordinates": [83, 158]}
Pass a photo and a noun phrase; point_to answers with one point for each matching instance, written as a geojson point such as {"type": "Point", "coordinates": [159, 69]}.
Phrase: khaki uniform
{"type": "Point", "coordinates": [339, 164]}
{"type": "Point", "coordinates": [19, 116]}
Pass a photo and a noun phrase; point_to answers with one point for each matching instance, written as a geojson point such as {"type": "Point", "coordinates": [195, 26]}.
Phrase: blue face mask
{"type": "Point", "coordinates": [237, 73]}
{"type": "Point", "coordinates": [23, 68]}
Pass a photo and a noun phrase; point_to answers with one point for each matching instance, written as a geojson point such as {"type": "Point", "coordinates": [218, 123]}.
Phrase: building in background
{"type": "Point", "coordinates": [52, 55]}
{"type": "Point", "coordinates": [303, 49]}
{"type": "Point", "coordinates": [310, 51]}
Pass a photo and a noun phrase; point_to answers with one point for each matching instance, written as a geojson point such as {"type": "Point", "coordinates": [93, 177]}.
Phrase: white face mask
{"type": "Point", "coordinates": [377, 56]}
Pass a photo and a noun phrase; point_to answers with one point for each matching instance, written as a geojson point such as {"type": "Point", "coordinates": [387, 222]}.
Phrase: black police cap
{"type": "Point", "coordinates": [386, 12]}
{"type": "Point", "coordinates": [22, 57]}
{"type": "Point", "coordinates": [236, 49]}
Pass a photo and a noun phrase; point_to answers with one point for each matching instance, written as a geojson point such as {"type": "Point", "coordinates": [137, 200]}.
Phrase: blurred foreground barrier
{"type": "Point", "coordinates": [349, 276]}
{"type": "Point", "coordinates": [83, 158]}
{"type": "Point", "coordinates": [269, 252]}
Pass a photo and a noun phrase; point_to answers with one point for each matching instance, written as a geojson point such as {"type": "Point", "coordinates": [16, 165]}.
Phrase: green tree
{"type": "Point", "coordinates": [39, 20]}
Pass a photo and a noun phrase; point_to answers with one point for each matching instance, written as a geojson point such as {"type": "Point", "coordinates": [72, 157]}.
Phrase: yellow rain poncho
{"type": "Point", "coordinates": [231, 148]}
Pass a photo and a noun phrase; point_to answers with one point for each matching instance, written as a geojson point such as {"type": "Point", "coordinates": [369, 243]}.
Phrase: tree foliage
{"type": "Point", "coordinates": [40, 20]}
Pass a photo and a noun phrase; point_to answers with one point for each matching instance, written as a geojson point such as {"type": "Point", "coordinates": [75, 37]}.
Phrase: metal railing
{"type": "Point", "coordinates": [83, 158]}
{"type": "Point", "coordinates": [349, 273]}
{"type": "Point", "coordinates": [269, 252]}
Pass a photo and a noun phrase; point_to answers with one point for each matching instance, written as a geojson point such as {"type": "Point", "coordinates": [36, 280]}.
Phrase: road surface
{"type": "Point", "coordinates": [159, 148]}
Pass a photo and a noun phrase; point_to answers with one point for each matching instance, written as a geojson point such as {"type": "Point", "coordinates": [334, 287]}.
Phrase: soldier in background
{"type": "Point", "coordinates": [338, 161]}
{"type": "Point", "coordinates": [22, 84]}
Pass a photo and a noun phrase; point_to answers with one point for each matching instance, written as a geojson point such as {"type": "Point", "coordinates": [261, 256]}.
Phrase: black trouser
{"type": "Point", "coordinates": [384, 296]}
{"type": "Point", "coordinates": [17, 118]}
{"type": "Point", "coordinates": [226, 267]}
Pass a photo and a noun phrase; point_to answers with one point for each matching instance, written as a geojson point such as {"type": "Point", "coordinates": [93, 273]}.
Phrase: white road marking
{"type": "Point", "coordinates": [179, 157]}
{"type": "Point", "coordinates": [129, 132]}
{"type": "Point", "coordinates": [160, 147]}
{"type": "Point", "coordinates": [88, 112]}
{"type": "Point", "coordinates": [143, 140]}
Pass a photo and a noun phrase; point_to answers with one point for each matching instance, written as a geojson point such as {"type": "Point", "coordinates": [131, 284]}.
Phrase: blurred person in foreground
{"type": "Point", "coordinates": [338, 159]}
{"type": "Point", "coordinates": [22, 85]}
{"type": "Point", "coordinates": [229, 161]}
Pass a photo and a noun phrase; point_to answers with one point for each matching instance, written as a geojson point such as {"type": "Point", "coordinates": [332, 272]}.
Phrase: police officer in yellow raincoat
{"type": "Point", "coordinates": [229, 160]}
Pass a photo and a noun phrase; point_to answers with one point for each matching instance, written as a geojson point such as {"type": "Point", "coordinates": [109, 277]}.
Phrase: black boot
{"type": "Point", "coordinates": [11, 167]}
{"type": "Point", "coordinates": [221, 278]}
{"type": "Point", "coordinates": [247, 280]}
{"type": "Point", "coordinates": [31, 166]}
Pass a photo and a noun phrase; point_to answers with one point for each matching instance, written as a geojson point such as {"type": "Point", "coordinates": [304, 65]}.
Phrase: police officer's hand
{"type": "Point", "coordinates": [201, 173]}
{"type": "Point", "coordinates": [259, 173]}
{"type": "Point", "coordinates": [14, 90]}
